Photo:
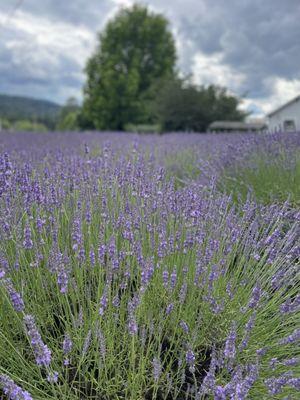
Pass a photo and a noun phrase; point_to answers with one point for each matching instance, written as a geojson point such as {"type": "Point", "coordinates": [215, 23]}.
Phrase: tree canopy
{"type": "Point", "coordinates": [134, 50]}
{"type": "Point", "coordinates": [181, 105]}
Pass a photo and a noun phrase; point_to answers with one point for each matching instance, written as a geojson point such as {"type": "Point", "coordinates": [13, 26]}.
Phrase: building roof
{"type": "Point", "coordinates": [294, 100]}
{"type": "Point", "coordinates": [237, 125]}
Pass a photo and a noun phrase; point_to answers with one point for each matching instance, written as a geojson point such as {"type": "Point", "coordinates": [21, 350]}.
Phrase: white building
{"type": "Point", "coordinates": [286, 118]}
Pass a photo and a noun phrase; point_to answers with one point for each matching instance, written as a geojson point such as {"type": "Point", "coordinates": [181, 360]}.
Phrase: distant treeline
{"type": "Point", "coordinates": [17, 111]}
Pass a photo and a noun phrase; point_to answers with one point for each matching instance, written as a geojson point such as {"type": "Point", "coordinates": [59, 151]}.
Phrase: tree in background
{"type": "Point", "coordinates": [182, 106]}
{"type": "Point", "coordinates": [68, 119]}
{"type": "Point", "coordinates": [135, 50]}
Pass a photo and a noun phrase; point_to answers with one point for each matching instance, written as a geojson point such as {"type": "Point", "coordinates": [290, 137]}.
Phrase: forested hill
{"type": "Point", "coordinates": [16, 108]}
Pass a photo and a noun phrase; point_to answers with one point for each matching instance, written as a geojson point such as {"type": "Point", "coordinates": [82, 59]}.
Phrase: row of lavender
{"type": "Point", "coordinates": [116, 284]}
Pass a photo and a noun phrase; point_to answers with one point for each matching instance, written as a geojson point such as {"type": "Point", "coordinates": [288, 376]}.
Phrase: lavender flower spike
{"type": "Point", "coordinates": [13, 391]}
{"type": "Point", "coordinates": [190, 359]}
{"type": "Point", "coordinates": [230, 349]}
{"type": "Point", "coordinates": [292, 338]}
{"type": "Point", "coordinates": [157, 369]}
{"type": "Point", "coordinates": [41, 352]}
{"type": "Point", "coordinates": [15, 297]}
{"type": "Point", "coordinates": [67, 344]}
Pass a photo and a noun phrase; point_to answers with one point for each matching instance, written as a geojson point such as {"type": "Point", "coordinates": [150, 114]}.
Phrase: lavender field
{"type": "Point", "coordinates": [149, 267]}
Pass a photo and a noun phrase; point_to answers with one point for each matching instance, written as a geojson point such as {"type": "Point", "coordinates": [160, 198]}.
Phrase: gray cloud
{"type": "Point", "coordinates": [91, 13]}
{"type": "Point", "coordinates": [256, 39]}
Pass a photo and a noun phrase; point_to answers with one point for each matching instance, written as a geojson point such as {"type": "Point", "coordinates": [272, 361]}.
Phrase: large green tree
{"type": "Point", "coordinates": [134, 50]}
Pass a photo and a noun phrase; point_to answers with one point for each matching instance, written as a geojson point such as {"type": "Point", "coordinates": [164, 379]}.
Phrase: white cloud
{"type": "Point", "coordinates": [55, 37]}
{"type": "Point", "coordinates": [282, 91]}
{"type": "Point", "coordinates": [210, 69]}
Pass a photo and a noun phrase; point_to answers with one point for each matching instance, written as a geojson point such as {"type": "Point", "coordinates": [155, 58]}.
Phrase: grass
{"type": "Point", "coordinates": [268, 178]}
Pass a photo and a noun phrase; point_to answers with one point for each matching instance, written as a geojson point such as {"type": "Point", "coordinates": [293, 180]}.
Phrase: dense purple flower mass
{"type": "Point", "coordinates": [123, 255]}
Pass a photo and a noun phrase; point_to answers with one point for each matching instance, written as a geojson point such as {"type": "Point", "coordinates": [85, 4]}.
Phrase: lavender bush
{"type": "Point", "coordinates": [116, 283]}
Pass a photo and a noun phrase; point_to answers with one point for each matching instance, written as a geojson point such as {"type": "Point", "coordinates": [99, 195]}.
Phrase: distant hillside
{"type": "Point", "coordinates": [16, 108]}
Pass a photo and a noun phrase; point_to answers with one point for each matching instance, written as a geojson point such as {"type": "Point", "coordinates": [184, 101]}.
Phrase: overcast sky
{"type": "Point", "coordinates": [250, 46]}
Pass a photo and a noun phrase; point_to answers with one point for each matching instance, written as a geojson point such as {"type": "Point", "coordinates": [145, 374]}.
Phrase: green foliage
{"type": "Point", "coordinates": [16, 108]}
{"type": "Point", "coordinates": [135, 49]}
{"type": "Point", "coordinates": [143, 128]}
{"type": "Point", "coordinates": [183, 106]}
{"type": "Point", "coordinates": [69, 116]}
{"type": "Point", "coordinates": [269, 179]}
{"type": "Point", "coordinates": [25, 125]}
{"type": "Point", "coordinates": [4, 124]}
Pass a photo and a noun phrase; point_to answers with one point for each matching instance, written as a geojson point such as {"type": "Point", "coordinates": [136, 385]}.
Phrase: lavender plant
{"type": "Point", "coordinates": [117, 284]}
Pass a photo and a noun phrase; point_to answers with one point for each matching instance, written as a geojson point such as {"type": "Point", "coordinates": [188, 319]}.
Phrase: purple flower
{"type": "Point", "coordinates": [220, 393]}
{"type": "Point", "coordinates": [273, 363]}
{"type": "Point", "coordinates": [261, 352]}
{"type": "Point", "coordinates": [41, 351]}
{"type": "Point", "coordinates": [103, 302]}
{"type": "Point", "coordinates": [165, 277]}
{"type": "Point", "coordinates": [67, 344]}
{"type": "Point", "coordinates": [63, 274]}
{"type": "Point", "coordinates": [290, 306]}
{"type": "Point", "coordinates": [92, 258]}
{"type": "Point", "coordinates": [184, 326]}
{"type": "Point", "coordinates": [132, 326]}
{"type": "Point", "coordinates": [101, 338]}
{"type": "Point", "coordinates": [291, 362]}
{"type": "Point", "coordinates": [173, 279]}
{"type": "Point", "coordinates": [116, 301]}
{"type": "Point", "coordinates": [230, 350]}
{"type": "Point", "coordinates": [27, 243]}
{"type": "Point", "coordinates": [276, 385]}
{"type": "Point", "coordinates": [243, 386]}
{"type": "Point", "coordinates": [15, 297]}
{"type": "Point", "coordinates": [294, 383]}
{"type": "Point", "coordinates": [169, 308]}
{"type": "Point", "coordinates": [13, 391]}
{"type": "Point", "coordinates": [87, 342]}
{"type": "Point", "coordinates": [292, 338]}
{"type": "Point", "coordinates": [248, 328]}
{"type": "Point", "coordinates": [157, 368]}
{"type": "Point", "coordinates": [190, 360]}
{"type": "Point", "coordinates": [52, 377]}
{"type": "Point", "coordinates": [183, 293]}
{"type": "Point", "coordinates": [255, 298]}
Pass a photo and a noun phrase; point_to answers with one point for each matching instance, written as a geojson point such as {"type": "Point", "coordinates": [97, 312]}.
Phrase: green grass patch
{"type": "Point", "coordinates": [269, 178]}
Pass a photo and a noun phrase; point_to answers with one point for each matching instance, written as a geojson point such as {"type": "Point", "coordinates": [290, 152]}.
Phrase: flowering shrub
{"type": "Point", "coordinates": [115, 284]}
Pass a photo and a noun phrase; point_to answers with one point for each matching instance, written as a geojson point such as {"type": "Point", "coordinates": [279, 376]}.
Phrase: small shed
{"type": "Point", "coordinates": [286, 118]}
{"type": "Point", "coordinates": [236, 126]}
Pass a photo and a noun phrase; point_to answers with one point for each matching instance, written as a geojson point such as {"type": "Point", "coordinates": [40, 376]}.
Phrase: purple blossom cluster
{"type": "Point", "coordinates": [15, 297]}
{"type": "Point", "coordinates": [41, 351]}
{"type": "Point", "coordinates": [12, 390]}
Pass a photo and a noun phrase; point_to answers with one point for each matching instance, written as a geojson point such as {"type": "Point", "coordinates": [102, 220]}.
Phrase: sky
{"type": "Point", "coordinates": [250, 46]}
